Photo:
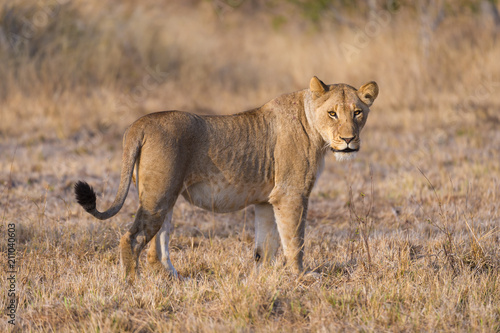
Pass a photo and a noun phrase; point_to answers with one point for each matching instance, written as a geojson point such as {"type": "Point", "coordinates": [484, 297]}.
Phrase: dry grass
{"type": "Point", "coordinates": [430, 152]}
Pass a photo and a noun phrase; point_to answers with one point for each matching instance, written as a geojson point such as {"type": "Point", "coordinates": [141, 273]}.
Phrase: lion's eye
{"type": "Point", "coordinates": [357, 112]}
{"type": "Point", "coordinates": [332, 114]}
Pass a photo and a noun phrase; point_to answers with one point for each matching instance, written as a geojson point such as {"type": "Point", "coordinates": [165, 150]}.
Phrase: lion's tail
{"type": "Point", "coordinates": [85, 194]}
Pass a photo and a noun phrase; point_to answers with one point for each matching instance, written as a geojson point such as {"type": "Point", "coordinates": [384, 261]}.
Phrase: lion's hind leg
{"type": "Point", "coordinates": [158, 251]}
{"type": "Point", "coordinates": [145, 226]}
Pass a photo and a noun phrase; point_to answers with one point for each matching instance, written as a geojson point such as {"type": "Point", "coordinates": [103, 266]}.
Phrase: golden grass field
{"type": "Point", "coordinates": [75, 74]}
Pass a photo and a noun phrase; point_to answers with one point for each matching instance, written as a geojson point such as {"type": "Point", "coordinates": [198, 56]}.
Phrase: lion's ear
{"type": "Point", "coordinates": [317, 86]}
{"type": "Point", "coordinates": [368, 92]}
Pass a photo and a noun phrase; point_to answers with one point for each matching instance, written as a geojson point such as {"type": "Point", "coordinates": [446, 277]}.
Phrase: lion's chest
{"type": "Point", "coordinates": [222, 197]}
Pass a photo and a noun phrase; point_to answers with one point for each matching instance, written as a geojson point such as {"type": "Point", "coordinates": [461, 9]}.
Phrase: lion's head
{"type": "Point", "coordinates": [339, 112]}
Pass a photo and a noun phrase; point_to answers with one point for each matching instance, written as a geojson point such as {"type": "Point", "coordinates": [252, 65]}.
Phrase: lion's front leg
{"type": "Point", "coordinates": [290, 213]}
{"type": "Point", "coordinates": [267, 239]}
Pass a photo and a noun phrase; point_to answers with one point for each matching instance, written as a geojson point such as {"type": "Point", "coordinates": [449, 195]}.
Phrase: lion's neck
{"type": "Point", "coordinates": [290, 111]}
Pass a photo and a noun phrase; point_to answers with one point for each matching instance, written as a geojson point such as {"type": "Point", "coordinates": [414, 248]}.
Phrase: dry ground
{"type": "Point", "coordinates": [426, 256]}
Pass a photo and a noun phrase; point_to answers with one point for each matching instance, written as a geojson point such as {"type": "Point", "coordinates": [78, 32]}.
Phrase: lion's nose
{"type": "Point", "coordinates": [347, 140]}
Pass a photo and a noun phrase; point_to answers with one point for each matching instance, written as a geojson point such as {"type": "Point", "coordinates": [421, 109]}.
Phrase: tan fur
{"type": "Point", "coordinates": [269, 157]}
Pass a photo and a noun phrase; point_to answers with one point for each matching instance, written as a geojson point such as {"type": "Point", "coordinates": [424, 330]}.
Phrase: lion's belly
{"type": "Point", "coordinates": [222, 197]}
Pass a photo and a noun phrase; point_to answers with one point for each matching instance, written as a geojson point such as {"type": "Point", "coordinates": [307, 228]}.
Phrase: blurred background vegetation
{"type": "Point", "coordinates": [74, 74]}
{"type": "Point", "coordinates": [68, 66]}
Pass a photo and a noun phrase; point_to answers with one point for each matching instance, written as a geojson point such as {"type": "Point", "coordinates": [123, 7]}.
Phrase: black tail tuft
{"type": "Point", "coordinates": [85, 196]}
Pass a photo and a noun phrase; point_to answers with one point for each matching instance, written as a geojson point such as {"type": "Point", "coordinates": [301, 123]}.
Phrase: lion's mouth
{"type": "Point", "coordinates": [346, 150]}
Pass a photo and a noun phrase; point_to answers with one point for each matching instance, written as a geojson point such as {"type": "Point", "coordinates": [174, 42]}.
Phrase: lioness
{"type": "Point", "coordinates": [269, 157]}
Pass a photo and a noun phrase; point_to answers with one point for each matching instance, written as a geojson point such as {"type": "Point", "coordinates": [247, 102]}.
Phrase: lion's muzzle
{"type": "Point", "coordinates": [345, 150]}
